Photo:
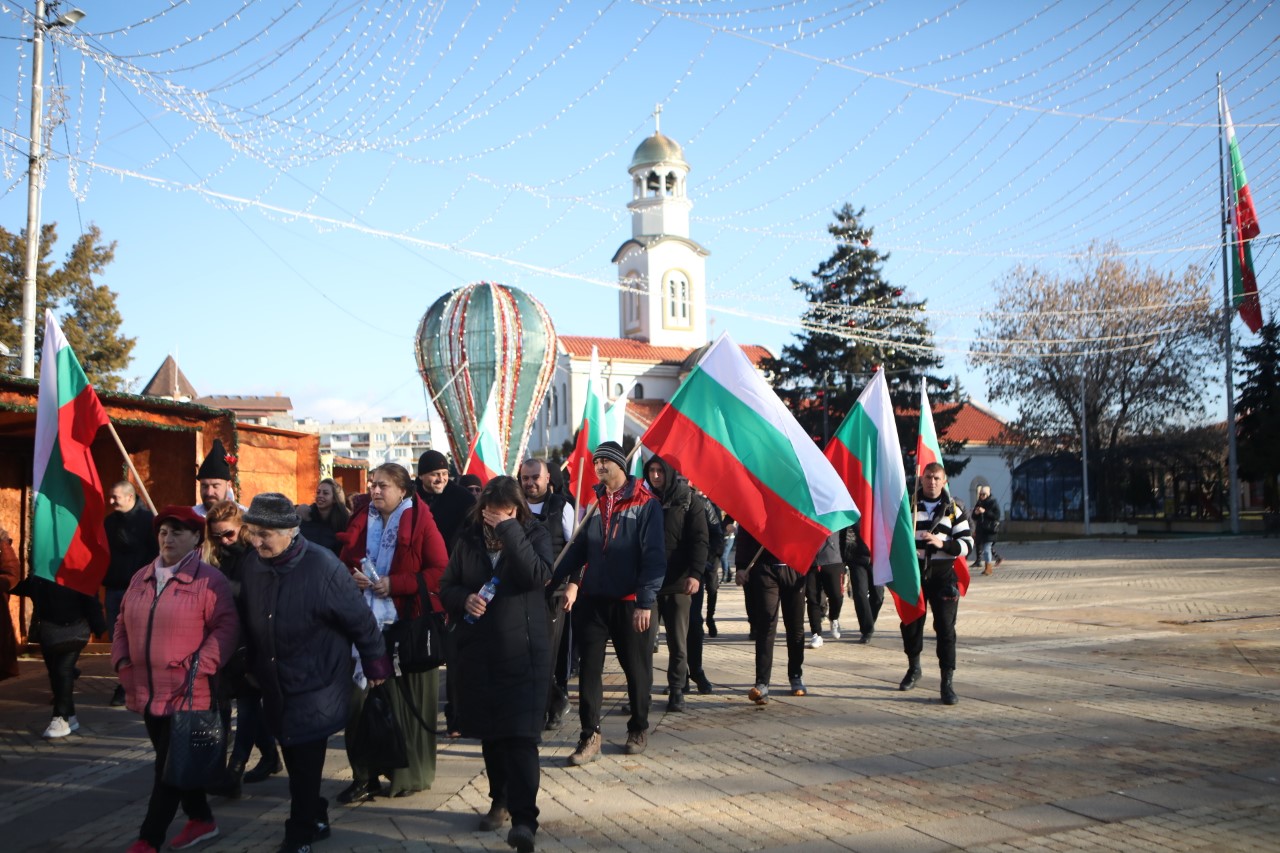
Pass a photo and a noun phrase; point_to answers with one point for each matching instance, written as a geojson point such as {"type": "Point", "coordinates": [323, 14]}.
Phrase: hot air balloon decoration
{"type": "Point", "coordinates": [477, 337]}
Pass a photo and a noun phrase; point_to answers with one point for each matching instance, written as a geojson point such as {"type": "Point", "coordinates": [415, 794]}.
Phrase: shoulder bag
{"type": "Point", "coordinates": [197, 742]}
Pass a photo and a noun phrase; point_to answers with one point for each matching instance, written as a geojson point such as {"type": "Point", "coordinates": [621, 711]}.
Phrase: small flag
{"type": "Point", "coordinates": [485, 459]}
{"type": "Point", "coordinates": [1244, 226]}
{"type": "Point", "coordinates": [591, 431]}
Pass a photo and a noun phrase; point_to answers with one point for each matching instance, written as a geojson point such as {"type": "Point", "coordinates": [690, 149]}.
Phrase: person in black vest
{"type": "Point", "coordinates": [132, 545]}
{"type": "Point", "coordinates": [556, 514]}
{"type": "Point", "coordinates": [450, 504]}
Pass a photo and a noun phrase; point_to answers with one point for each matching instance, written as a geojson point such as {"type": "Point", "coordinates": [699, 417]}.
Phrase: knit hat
{"type": "Point", "coordinates": [432, 460]}
{"type": "Point", "coordinates": [612, 451]}
{"type": "Point", "coordinates": [273, 510]}
{"type": "Point", "coordinates": [467, 481]}
{"type": "Point", "coordinates": [217, 465]}
{"type": "Point", "coordinates": [184, 516]}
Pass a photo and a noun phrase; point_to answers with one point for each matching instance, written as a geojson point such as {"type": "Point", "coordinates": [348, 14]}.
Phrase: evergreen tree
{"type": "Point", "coordinates": [1258, 413]}
{"type": "Point", "coordinates": [86, 311]}
{"type": "Point", "coordinates": [855, 322]}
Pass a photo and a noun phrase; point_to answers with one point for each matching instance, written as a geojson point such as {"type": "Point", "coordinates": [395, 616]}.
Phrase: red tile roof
{"type": "Point", "coordinates": [644, 411]}
{"type": "Point", "coordinates": [972, 425]}
{"type": "Point", "coordinates": [625, 349]}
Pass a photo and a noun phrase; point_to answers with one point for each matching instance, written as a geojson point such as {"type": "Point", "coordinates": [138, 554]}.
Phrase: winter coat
{"type": "Point", "coordinates": [503, 659]}
{"type": "Point", "coordinates": [855, 552]}
{"type": "Point", "coordinates": [132, 542]}
{"type": "Point", "coordinates": [62, 605]}
{"type": "Point", "coordinates": [629, 559]}
{"type": "Point", "coordinates": [157, 636]}
{"type": "Point", "coordinates": [303, 615]}
{"type": "Point", "coordinates": [829, 554]}
{"type": "Point", "coordinates": [986, 523]}
{"type": "Point", "coordinates": [685, 530]}
{"type": "Point", "coordinates": [419, 550]}
{"type": "Point", "coordinates": [449, 508]}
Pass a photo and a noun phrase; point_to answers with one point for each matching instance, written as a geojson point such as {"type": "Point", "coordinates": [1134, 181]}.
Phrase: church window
{"type": "Point", "coordinates": [637, 393]}
{"type": "Point", "coordinates": [677, 310]}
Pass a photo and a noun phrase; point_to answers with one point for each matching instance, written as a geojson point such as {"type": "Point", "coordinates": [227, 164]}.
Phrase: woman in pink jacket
{"type": "Point", "coordinates": [175, 607]}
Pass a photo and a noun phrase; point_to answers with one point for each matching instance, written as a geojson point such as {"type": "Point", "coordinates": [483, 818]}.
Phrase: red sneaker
{"type": "Point", "coordinates": [193, 833]}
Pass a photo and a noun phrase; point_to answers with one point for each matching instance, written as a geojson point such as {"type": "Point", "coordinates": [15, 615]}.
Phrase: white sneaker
{"type": "Point", "coordinates": [835, 629]}
{"type": "Point", "coordinates": [74, 723]}
{"type": "Point", "coordinates": [58, 727]}
{"type": "Point", "coordinates": [815, 641]}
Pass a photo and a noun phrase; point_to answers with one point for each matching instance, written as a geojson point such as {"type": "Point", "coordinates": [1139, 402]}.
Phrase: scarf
{"type": "Point", "coordinates": [294, 549]}
{"type": "Point", "coordinates": [380, 538]}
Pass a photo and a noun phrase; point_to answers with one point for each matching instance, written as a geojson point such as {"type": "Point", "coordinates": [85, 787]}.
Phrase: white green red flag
{"type": "Point", "coordinates": [928, 450]}
{"type": "Point", "coordinates": [616, 418]}
{"type": "Point", "coordinates": [727, 431]}
{"type": "Point", "coordinates": [592, 429]}
{"type": "Point", "coordinates": [486, 459]}
{"type": "Point", "coordinates": [68, 542]}
{"type": "Point", "coordinates": [1244, 226]}
{"type": "Point", "coordinates": [867, 455]}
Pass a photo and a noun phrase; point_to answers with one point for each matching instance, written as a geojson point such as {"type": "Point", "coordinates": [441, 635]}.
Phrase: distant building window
{"type": "Point", "coordinates": [617, 389]}
{"type": "Point", "coordinates": [637, 393]}
{"type": "Point", "coordinates": [676, 312]}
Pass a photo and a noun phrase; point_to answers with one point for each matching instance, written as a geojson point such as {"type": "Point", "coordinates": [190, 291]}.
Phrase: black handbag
{"type": "Point", "coordinates": [416, 645]}
{"type": "Point", "coordinates": [197, 742]}
{"type": "Point", "coordinates": [376, 739]}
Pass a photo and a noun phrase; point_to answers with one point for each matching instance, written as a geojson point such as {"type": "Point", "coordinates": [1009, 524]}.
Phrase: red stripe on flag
{"type": "Point", "coordinates": [88, 555]}
{"type": "Point", "coordinates": [790, 535]}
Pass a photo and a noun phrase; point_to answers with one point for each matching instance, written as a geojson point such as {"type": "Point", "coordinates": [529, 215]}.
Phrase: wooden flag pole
{"type": "Point", "coordinates": [590, 512]}
{"type": "Point", "coordinates": [132, 470]}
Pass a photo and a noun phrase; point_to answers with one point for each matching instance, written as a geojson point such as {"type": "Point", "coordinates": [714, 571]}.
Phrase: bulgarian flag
{"type": "Point", "coordinates": [68, 542]}
{"type": "Point", "coordinates": [867, 455]}
{"type": "Point", "coordinates": [485, 459]}
{"type": "Point", "coordinates": [1244, 224]}
{"type": "Point", "coordinates": [727, 431]}
{"type": "Point", "coordinates": [592, 430]}
{"type": "Point", "coordinates": [616, 419]}
{"type": "Point", "coordinates": [928, 450]}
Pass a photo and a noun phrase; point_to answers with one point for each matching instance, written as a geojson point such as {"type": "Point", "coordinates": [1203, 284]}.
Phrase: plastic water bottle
{"type": "Point", "coordinates": [369, 570]}
{"type": "Point", "coordinates": [486, 593]}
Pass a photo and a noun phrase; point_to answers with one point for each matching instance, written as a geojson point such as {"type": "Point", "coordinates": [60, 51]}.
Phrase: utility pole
{"type": "Point", "coordinates": [1233, 474]}
{"type": "Point", "coordinates": [1084, 446]}
{"type": "Point", "coordinates": [35, 164]}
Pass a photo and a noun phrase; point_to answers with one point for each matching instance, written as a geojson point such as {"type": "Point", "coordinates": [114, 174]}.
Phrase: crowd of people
{"type": "Point", "coordinates": [276, 614]}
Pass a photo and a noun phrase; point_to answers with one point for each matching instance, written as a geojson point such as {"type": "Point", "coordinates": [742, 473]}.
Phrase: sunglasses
{"type": "Point", "coordinates": [226, 535]}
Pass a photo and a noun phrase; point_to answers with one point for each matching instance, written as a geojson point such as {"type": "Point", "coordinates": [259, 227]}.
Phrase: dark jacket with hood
{"type": "Point", "coordinates": [685, 524]}
{"type": "Point", "coordinates": [303, 614]}
{"type": "Point", "coordinates": [502, 660]}
{"type": "Point", "coordinates": [133, 544]}
{"type": "Point", "coordinates": [629, 558]}
{"type": "Point", "coordinates": [449, 509]}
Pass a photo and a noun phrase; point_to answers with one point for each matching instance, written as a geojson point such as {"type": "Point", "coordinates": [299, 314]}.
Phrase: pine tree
{"type": "Point", "coordinates": [86, 311]}
{"type": "Point", "coordinates": [1258, 421]}
{"type": "Point", "coordinates": [878, 325]}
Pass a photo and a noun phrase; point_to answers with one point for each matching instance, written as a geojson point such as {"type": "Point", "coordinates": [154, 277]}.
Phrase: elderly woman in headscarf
{"type": "Point", "coordinates": [398, 537]}
{"type": "Point", "coordinates": [503, 661]}
{"type": "Point", "coordinates": [303, 614]}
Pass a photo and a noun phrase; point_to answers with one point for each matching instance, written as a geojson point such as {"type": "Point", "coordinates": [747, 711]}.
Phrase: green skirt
{"type": "Point", "coordinates": [420, 743]}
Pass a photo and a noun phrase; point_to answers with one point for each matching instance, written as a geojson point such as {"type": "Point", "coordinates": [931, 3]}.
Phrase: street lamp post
{"type": "Point", "coordinates": [34, 165]}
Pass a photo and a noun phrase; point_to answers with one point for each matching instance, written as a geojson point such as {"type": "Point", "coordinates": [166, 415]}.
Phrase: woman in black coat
{"type": "Point", "coordinates": [503, 663]}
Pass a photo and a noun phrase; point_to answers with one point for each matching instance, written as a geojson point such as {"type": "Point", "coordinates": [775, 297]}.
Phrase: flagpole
{"type": "Point", "coordinates": [591, 511]}
{"type": "Point", "coordinates": [1233, 477]}
{"type": "Point", "coordinates": [132, 470]}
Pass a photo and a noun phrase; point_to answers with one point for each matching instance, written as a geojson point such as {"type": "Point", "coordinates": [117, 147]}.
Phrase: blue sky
{"type": "Point", "coordinates": [291, 186]}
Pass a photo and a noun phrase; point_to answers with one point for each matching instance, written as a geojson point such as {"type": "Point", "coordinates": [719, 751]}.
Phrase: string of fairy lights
{"type": "Point", "coordinates": [464, 90]}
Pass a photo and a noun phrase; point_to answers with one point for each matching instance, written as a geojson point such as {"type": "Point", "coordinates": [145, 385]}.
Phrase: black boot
{"type": "Point", "coordinates": [949, 696]}
{"type": "Point", "coordinates": [711, 627]}
{"type": "Point", "coordinates": [268, 765]}
{"type": "Point", "coordinates": [704, 684]}
{"type": "Point", "coordinates": [912, 678]}
{"type": "Point", "coordinates": [229, 786]}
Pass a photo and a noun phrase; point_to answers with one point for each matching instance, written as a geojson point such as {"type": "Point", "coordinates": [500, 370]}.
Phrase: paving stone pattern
{"type": "Point", "coordinates": [1115, 695]}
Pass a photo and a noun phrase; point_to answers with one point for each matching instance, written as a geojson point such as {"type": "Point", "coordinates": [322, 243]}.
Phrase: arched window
{"type": "Point", "coordinates": [637, 393]}
{"type": "Point", "coordinates": [677, 311]}
{"type": "Point", "coordinates": [617, 389]}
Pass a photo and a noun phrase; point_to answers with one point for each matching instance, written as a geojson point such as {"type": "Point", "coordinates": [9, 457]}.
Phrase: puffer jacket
{"type": "Point", "coordinates": [303, 614]}
{"type": "Point", "coordinates": [628, 559]}
{"type": "Point", "coordinates": [685, 529]}
{"type": "Point", "coordinates": [157, 636]}
{"type": "Point", "coordinates": [420, 550]}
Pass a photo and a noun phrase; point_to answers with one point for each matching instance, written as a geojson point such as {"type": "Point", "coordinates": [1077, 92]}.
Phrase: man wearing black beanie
{"type": "Point", "coordinates": [449, 502]}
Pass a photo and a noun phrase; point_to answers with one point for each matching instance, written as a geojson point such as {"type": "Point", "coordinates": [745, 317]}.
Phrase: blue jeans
{"type": "Point", "coordinates": [986, 549]}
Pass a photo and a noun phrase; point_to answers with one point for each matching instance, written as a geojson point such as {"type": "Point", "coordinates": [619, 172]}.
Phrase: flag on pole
{"type": "Point", "coordinates": [591, 431]}
{"type": "Point", "coordinates": [486, 459]}
{"type": "Point", "coordinates": [727, 431]}
{"type": "Point", "coordinates": [68, 542]}
{"type": "Point", "coordinates": [1244, 226]}
{"type": "Point", "coordinates": [616, 419]}
{"type": "Point", "coordinates": [929, 450]}
{"type": "Point", "coordinates": [867, 455]}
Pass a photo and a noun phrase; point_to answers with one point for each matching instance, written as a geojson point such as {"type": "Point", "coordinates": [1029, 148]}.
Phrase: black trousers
{"type": "Point", "coordinates": [772, 587]}
{"type": "Point", "coordinates": [696, 631]}
{"type": "Point", "coordinates": [867, 598]}
{"type": "Point", "coordinates": [558, 688]}
{"type": "Point", "coordinates": [674, 611]}
{"type": "Point", "coordinates": [512, 765]}
{"type": "Point", "coordinates": [942, 592]}
{"type": "Point", "coordinates": [165, 799]}
{"type": "Point", "coordinates": [305, 763]}
{"type": "Point", "coordinates": [830, 580]}
{"type": "Point", "coordinates": [62, 678]}
{"type": "Point", "coordinates": [712, 588]}
{"type": "Point", "coordinates": [596, 621]}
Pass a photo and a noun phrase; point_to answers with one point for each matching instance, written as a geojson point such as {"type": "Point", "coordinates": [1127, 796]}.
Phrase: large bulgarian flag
{"type": "Point", "coordinates": [867, 455]}
{"type": "Point", "coordinates": [615, 416]}
{"type": "Point", "coordinates": [486, 459]}
{"type": "Point", "coordinates": [1244, 225]}
{"type": "Point", "coordinates": [928, 450]}
{"type": "Point", "coordinates": [68, 542]}
{"type": "Point", "coordinates": [727, 431]}
{"type": "Point", "coordinates": [592, 429]}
